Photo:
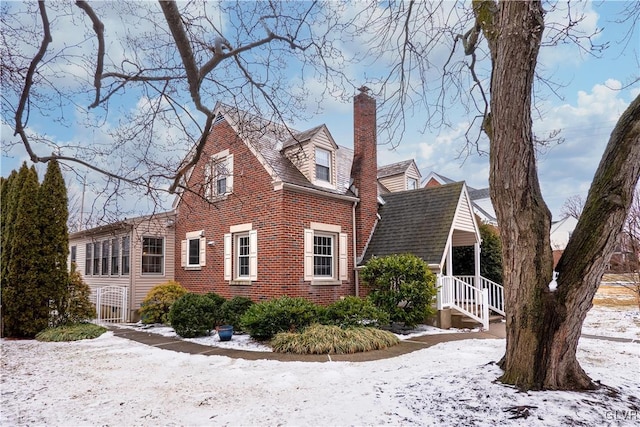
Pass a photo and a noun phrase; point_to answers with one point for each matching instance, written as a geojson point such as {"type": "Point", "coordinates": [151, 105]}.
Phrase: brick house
{"type": "Point", "coordinates": [270, 211]}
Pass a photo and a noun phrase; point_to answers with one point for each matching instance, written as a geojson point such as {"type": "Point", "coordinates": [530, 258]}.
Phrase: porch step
{"type": "Point", "coordinates": [461, 321]}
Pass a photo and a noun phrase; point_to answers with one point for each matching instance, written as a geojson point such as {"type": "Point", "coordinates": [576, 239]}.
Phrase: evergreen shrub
{"type": "Point", "coordinates": [232, 311]}
{"type": "Point", "coordinates": [218, 300]}
{"type": "Point", "coordinates": [192, 315]}
{"type": "Point", "coordinates": [285, 314]}
{"type": "Point", "coordinates": [158, 301]}
{"type": "Point", "coordinates": [401, 285]}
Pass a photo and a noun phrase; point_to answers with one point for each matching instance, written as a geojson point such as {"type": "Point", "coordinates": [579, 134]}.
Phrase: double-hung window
{"type": "Point", "coordinates": [115, 257]}
{"type": "Point", "coordinates": [152, 255]}
{"type": "Point", "coordinates": [105, 257]}
{"type": "Point", "coordinates": [126, 248]}
{"type": "Point", "coordinates": [96, 258]}
{"type": "Point", "coordinates": [323, 165]}
{"type": "Point", "coordinates": [219, 175]}
{"type": "Point", "coordinates": [88, 259]}
{"type": "Point", "coordinates": [325, 253]}
{"type": "Point", "coordinates": [74, 252]}
{"type": "Point", "coordinates": [241, 253]}
{"type": "Point", "coordinates": [194, 250]}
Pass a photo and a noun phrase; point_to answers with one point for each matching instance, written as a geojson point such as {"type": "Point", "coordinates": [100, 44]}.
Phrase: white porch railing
{"type": "Point", "coordinates": [464, 297]}
{"type": "Point", "coordinates": [496, 292]}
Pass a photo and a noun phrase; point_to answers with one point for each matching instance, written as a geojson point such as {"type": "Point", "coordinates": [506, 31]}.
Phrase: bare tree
{"type": "Point", "coordinates": [572, 207]}
{"type": "Point", "coordinates": [491, 69]}
{"type": "Point", "coordinates": [629, 248]}
{"type": "Point", "coordinates": [140, 80]}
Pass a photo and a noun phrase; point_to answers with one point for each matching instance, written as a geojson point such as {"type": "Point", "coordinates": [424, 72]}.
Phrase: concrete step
{"type": "Point", "coordinates": [462, 321]}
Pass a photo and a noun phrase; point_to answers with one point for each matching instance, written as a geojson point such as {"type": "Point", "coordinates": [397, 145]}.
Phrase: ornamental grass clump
{"type": "Point", "coordinates": [330, 339]}
{"type": "Point", "coordinates": [71, 332]}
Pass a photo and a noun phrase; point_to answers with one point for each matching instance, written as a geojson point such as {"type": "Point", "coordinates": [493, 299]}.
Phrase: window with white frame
{"type": "Point", "coordinates": [88, 259]}
{"type": "Point", "coordinates": [152, 255]}
{"type": "Point", "coordinates": [412, 184]}
{"type": "Point", "coordinates": [96, 258]}
{"type": "Point", "coordinates": [241, 253]}
{"type": "Point", "coordinates": [126, 263]}
{"type": "Point", "coordinates": [74, 252]}
{"type": "Point", "coordinates": [325, 253]}
{"type": "Point", "coordinates": [219, 175]}
{"type": "Point", "coordinates": [105, 257]}
{"type": "Point", "coordinates": [323, 165]}
{"type": "Point", "coordinates": [115, 257]}
{"type": "Point", "coordinates": [194, 250]}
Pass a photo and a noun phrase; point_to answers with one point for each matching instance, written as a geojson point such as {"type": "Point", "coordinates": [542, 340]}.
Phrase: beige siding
{"type": "Point", "coordinates": [394, 182]}
{"type": "Point", "coordinates": [144, 282]}
{"type": "Point", "coordinates": [464, 219]}
{"type": "Point", "coordinates": [138, 284]}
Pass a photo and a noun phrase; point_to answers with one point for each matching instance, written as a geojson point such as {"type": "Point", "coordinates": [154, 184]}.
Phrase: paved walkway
{"type": "Point", "coordinates": [496, 331]}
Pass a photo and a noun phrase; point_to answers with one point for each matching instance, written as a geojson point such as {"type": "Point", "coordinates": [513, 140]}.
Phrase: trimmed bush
{"type": "Point", "coordinates": [401, 285]}
{"type": "Point", "coordinates": [193, 315]}
{"type": "Point", "coordinates": [323, 339]}
{"type": "Point", "coordinates": [156, 305]}
{"type": "Point", "coordinates": [232, 311]}
{"type": "Point", "coordinates": [218, 318]}
{"type": "Point", "coordinates": [353, 311]}
{"type": "Point", "coordinates": [285, 314]}
{"type": "Point", "coordinates": [71, 332]}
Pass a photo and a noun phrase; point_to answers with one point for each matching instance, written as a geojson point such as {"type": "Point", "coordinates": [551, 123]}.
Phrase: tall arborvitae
{"type": "Point", "coordinates": [24, 304]}
{"type": "Point", "coordinates": [54, 250]}
{"type": "Point", "coordinates": [5, 196]}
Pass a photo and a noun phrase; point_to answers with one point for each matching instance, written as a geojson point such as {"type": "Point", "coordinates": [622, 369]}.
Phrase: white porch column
{"type": "Point", "coordinates": [450, 260]}
{"type": "Point", "coordinates": [476, 263]}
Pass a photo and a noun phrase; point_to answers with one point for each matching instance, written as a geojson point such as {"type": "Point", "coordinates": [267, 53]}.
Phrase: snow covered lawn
{"type": "Point", "coordinates": [113, 381]}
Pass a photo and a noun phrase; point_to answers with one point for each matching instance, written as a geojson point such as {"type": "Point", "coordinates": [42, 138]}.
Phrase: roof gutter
{"type": "Point", "coordinates": [301, 189]}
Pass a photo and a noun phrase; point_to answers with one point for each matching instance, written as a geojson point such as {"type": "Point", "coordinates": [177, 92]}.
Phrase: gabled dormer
{"type": "Point", "coordinates": [400, 176]}
{"type": "Point", "coordinates": [313, 152]}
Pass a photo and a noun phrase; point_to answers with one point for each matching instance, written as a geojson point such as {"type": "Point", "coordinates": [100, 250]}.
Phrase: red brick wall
{"type": "Point", "coordinates": [432, 183]}
{"type": "Point", "coordinates": [279, 217]}
{"type": "Point", "coordinates": [364, 170]}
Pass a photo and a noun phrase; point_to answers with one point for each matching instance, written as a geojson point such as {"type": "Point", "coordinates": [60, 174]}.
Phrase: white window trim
{"type": "Point", "coordinates": [202, 247]}
{"type": "Point", "coordinates": [332, 178]}
{"type": "Point", "coordinates": [163, 267]}
{"type": "Point", "coordinates": [211, 181]}
{"type": "Point", "coordinates": [340, 248]}
{"type": "Point", "coordinates": [231, 255]}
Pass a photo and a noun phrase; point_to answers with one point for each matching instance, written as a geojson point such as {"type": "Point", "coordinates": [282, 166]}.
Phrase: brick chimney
{"type": "Point", "coordinates": [364, 171]}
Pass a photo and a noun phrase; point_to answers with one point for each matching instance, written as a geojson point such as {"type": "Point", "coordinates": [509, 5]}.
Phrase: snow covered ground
{"type": "Point", "coordinates": [116, 382]}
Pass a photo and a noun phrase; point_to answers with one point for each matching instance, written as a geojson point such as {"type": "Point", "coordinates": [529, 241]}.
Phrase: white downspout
{"type": "Point", "coordinates": [355, 256]}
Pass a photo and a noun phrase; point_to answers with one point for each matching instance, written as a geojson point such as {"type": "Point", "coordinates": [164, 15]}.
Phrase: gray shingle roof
{"type": "Point", "coordinates": [394, 169]}
{"type": "Point", "coordinates": [268, 139]}
{"type": "Point", "coordinates": [415, 221]}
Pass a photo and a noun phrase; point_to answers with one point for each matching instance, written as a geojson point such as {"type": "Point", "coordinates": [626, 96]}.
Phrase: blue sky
{"type": "Point", "coordinates": [592, 94]}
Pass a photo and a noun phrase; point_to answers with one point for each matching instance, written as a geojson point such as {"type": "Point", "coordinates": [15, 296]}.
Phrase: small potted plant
{"type": "Point", "coordinates": [225, 332]}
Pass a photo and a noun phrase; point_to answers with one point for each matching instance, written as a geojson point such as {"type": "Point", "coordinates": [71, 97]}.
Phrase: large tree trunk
{"type": "Point", "coordinates": [543, 327]}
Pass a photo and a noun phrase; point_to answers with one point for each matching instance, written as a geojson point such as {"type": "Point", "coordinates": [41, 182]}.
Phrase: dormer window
{"type": "Point", "coordinates": [219, 175]}
{"type": "Point", "coordinates": [323, 165]}
{"type": "Point", "coordinates": [412, 184]}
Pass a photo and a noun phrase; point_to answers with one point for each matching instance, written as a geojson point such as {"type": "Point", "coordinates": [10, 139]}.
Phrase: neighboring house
{"type": "Point", "coordinates": [480, 198]}
{"type": "Point", "coordinates": [271, 211]}
{"type": "Point", "coordinates": [399, 176]}
{"type": "Point", "coordinates": [124, 260]}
